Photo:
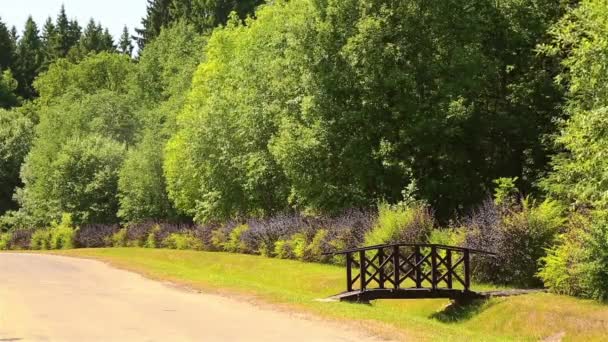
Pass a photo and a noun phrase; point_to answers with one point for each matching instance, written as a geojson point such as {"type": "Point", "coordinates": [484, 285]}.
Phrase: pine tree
{"type": "Point", "coordinates": [124, 44]}
{"type": "Point", "coordinates": [74, 33]}
{"type": "Point", "coordinates": [49, 36]}
{"type": "Point", "coordinates": [61, 45]}
{"type": "Point", "coordinates": [107, 41]}
{"type": "Point", "coordinates": [6, 47]}
{"type": "Point", "coordinates": [203, 14]}
{"type": "Point", "coordinates": [14, 38]}
{"type": "Point", "coordinates": [157, 16]}
{"type": "Point", "coordinates": [29, 59]}
{"type": "Point", "coordinates": [91, 38]}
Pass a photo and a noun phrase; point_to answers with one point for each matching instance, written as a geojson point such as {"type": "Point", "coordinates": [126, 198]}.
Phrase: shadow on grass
{"type": "Point", "coordinates": [459, 312]}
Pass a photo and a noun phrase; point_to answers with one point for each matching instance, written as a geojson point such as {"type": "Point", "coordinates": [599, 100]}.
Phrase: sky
{"type": "Point", "coordinates": [113, 14]}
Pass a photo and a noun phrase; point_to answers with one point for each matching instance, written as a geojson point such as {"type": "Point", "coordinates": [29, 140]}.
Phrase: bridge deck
{"type": "Point", "coordinates": [409, 293]}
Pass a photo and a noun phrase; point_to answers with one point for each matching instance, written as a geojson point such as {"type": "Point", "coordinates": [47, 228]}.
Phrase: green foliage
{"type": "Point", "coordinates": [401, 224]}
{"type": "Point", "coordinates": [234, 243]}
{"type": "Point", "coordinates": [152, 241]}
{"type": "Point", "coordinates": [62, 234]}
{"type": "Point", "coordinates": [202, 14]}
{"type": "Point", "coordinates": [520, 236]}
{"type": "Point", "coordinates": [5, 241]}
{"type": "Point", "coordinates": [41, 240]}
{"type": "Point", "coordinates": [448, 237]}
{"type": "Point", "coordinates": [104, 71]}
{"type": "Point", "coordinates": [183, 241]}
{"type": "Point", "coordinates": [317, 246]}
{"type": "Point", "coordinates": [506, 191]}
{"type": "Point", "coordinates": [578, 264]}
{"type": "Point", "coordinates": [29, 59]}
{"type": "Point", "coordinates": [119, 239]}
{"type": "Point", "coordinates": [141, 184]}
{"type": "Point", "coordinates": [579, 176]}
{"type": "Point", "coordinates": [8, 87]}
{"type": "Point", "coordinates": [6, 47]}
{"type": "Point", "coordinates": [283, 249]}
{"type": "Point", "coordinates": [16, 135]}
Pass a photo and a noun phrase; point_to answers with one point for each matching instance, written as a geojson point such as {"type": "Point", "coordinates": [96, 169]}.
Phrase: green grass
{"type": "Point", "coordinates": [295, 285]}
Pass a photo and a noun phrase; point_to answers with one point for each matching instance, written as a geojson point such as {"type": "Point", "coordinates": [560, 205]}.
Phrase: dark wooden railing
{"type": "Point", "coordinates": [409, 266]}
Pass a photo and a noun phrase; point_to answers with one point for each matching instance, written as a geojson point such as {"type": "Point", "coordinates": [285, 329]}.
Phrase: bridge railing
{"type": "Point", "coordinates": [401, 266]}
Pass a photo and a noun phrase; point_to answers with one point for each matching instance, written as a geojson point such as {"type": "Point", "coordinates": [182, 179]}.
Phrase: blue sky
{"type": "Point", "coordinates": [113, 14]}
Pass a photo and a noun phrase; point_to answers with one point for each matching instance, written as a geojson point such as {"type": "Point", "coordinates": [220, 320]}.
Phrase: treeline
{"type": "Point", "coordinates": [23, 57]}
{"type": "Point", "coordinates": [234, 111]}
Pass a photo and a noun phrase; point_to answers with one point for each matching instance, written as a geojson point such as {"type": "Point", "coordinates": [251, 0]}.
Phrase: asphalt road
{"type": "Point", "coordinates": [53, 298]}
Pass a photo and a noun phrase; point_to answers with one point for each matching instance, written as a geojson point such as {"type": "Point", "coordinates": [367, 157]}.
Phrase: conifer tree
{"type": "Point", "coordinates": [29, 59]}
{"type": "Point", "coordinates": [157, 16]}
{"type": "Point", "coordinates": [48, 37]}
{"type": "Point", "coordinates": [62, 41]}
{"type": "Point", "coordinates": [6, 47]}
{"type": "Point", "coordinates": [74, 33]}
{"type": "Point", "coordinates": [91, 38]}
{"type": "Point", "coordinates": [125, 46]}
{"type": "Point", "coordinates": [107, 41]}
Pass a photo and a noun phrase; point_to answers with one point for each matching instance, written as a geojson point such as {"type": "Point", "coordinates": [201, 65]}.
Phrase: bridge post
{"type": "Point", "coordinates": [448, 257]}
{"type": "Point", "coordinates": [418, 270]}
{"type": "Point", "coordinates": [396, 267]}
{"type": "Point", "coordinates": [467, 270]}
{"type": "Point", "coordinates": [434, 266]}
{"type": "Point", "coordinates": [349, 272]}
{"type": "Point", "coordinates": [381, 268]}
{"type": "Point", "coordinates": [362, 269]}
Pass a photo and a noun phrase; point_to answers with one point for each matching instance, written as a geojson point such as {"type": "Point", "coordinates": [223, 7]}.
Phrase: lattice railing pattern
{"type": "Point", "coordinates": [408, 266]}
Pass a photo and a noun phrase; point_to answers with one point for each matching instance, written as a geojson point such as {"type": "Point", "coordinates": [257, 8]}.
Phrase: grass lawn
{"type": "Point", "coordinates": [295, 285]}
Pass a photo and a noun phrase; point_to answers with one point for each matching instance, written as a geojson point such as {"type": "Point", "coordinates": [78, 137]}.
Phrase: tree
{"type": "Point", "coordinates": [578, 177]}
{"type": "Point", "coordinates": [48, 37]}
{"type": "Point", "coordinates": [16, 134]}
{"type": "Point", "coordinates": [29, 59]}
{"type": "Point", "coordinates": [81, 105]}
{"type": "Point", "coordinates": [162, 81]}
{"type": "Point", "coordinates": [92, 38]}
{"type": "Point", "coordinates": [6, 47]}
{"type": "Point", "coordinates": [62, 43]}
{"type": "Point", "coordinates": [124, 45]}
{"type": "Point", "coordinates": [321, 106]}
{"type": "Point", "coordinates": [203, 14]}
{"type": "Point", "coordinates": [8, 87]}
{"type": "Point", "coordinates": [157, 15]}
{"type": "Point", "coordinates": [107, 41]}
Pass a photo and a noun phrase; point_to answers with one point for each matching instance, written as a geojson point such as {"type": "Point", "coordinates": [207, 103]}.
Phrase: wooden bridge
{"type": "Point", "coordinates": [408, 271]}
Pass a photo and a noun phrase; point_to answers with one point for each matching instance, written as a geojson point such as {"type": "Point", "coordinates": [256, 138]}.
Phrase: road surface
{"type": "Point", "coordinates": [54, 298]}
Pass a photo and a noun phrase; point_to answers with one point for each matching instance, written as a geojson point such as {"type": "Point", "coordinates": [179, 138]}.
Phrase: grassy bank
{"type": "Point", "coordinates": [295, 285]}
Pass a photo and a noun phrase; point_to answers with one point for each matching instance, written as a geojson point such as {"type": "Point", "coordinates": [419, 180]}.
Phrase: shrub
{"type": "Point", "coordinates": [96, 235]}
{"type": "Point", "coordinates": [21, 239]}
{"type": "Point", "coordinates": [401, 224]}
{"type": "Point", "coordinates": [317, 246]}
{"type": "Point", "coordinates": [5, 241]}
{"type": "Point", "coordinates": [152, 240]}
{"type": "Point", "coordinates": [183, 241]}
{"type": "Point", "coordinates": [41, 240]}
{"type": "Point", "coordinates": [234, 243]}
{"type": "Point", "coordinates": [449, 237]}
{"type": "Point", "coordinates": [219, 238]}
{"type": "Point", "coordinates": [283, 250]}
{"type": "Point", "coordinates": [578, 265]}
{"type": "Point", "coordinates": [563, 267]}
{"type": "Point", "coordinates": [299, 245]}
{"type": "Point", "coordinates": [63, 234]}
{"type": "Point", "coordinates": [519, 234]}
{"type": "Point", "coordinates": [119, 239]}
{"type": "Point", "coordinates": [263, 234]}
